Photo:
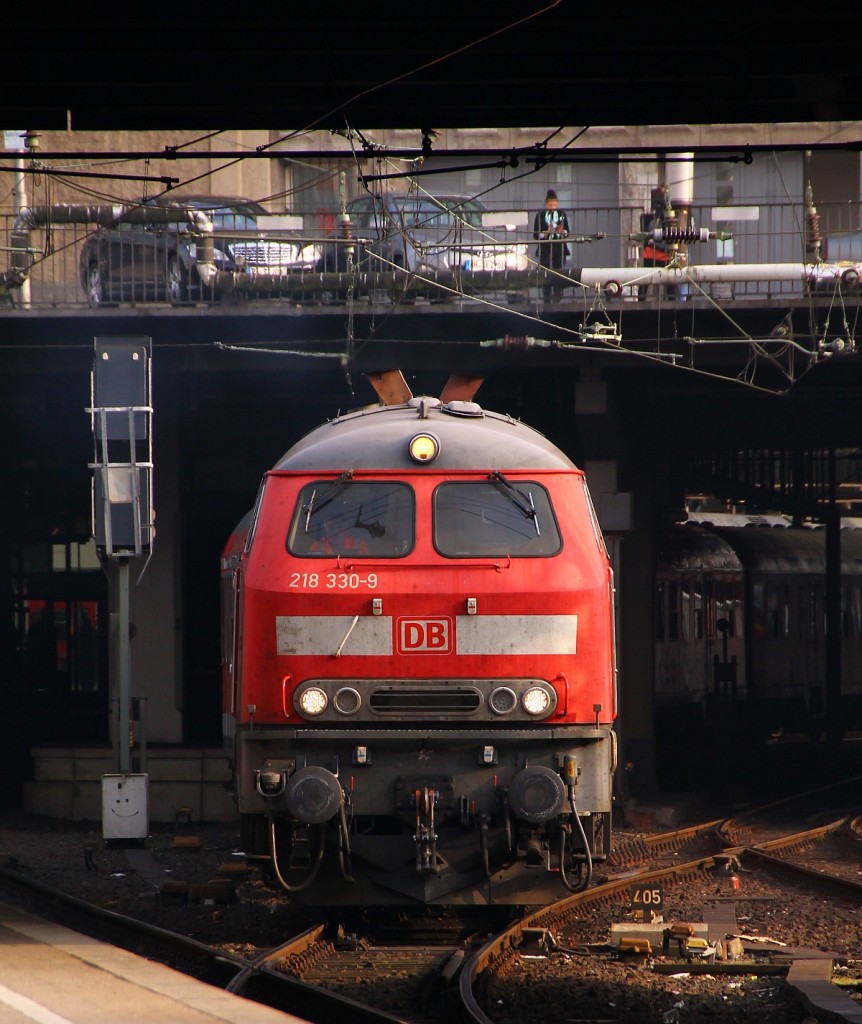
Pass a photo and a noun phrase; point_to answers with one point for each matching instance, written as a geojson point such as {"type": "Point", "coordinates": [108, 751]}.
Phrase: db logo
{"type": "Point", "coordinates": [424, 636]}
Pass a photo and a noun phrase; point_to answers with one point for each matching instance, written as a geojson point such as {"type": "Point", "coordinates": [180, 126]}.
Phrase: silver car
{"type": "Point", "coordinates": [153, 257]}
{"type": "Point", "coordinates": [419, 232]}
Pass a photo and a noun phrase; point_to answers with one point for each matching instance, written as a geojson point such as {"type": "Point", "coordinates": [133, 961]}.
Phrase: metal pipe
{"type": "Point", "coordinates": [602, 279]}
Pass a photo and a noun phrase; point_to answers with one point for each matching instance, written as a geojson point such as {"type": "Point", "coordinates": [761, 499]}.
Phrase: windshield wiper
{"type": "Point", "coordinates": [333, 489]}
{"type": "Point", "coordinates": [526, 507]}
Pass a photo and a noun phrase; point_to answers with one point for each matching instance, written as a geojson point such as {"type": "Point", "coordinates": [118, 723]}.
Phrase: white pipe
{"type": "Point", "coordinates": [20, 200]}
{"type": "Point", "coordinates": [601, 278]}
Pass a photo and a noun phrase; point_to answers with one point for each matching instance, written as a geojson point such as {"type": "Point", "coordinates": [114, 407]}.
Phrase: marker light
{"type": "Point", "coordinates": [502, 700]}
{"type": "Point", "coordinates": [424, 448]}
{"type": "Point", "coordinates": [347, 700]}
{"type": "Point", "coordinates": [536, 701]}
{"type": "Point", "coordinates": [313, 701]}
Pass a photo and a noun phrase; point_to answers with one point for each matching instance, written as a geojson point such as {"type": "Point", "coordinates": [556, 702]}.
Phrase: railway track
{"type": "Point", "coordinates": [784, 825]}
{"type": "Point", "coordinates": [358, 980]}
{"type": "Point", "coordinates": [734, 889]}
{"type": "Point", "coordinates": [636, 851]}
{"type": "Point", "coordinates": [730, 891]}
{"type": "Point", "coordinates": [251, 978]}
{"type": "Point", "coordinates": [795, 814]}
{"type": "Point", "coordinates": [320, 977]}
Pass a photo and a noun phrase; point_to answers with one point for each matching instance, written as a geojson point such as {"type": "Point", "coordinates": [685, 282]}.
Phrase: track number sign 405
{"type": "Point", "coordinates": [647, 897]}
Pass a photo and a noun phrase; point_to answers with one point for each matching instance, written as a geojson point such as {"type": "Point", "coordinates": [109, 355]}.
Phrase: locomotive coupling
{"type": "Point", "coordinates": [269, 784]}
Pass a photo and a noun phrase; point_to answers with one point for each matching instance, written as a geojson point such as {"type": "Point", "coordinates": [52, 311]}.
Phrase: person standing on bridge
{"type": "Point", "coordinates": [550, 228]}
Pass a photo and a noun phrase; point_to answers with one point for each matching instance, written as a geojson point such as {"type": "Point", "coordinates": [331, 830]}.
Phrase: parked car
{"type": "Point", "coordinates": [133, 260]}
{"type": "Point", "coordinates": [421, 232]}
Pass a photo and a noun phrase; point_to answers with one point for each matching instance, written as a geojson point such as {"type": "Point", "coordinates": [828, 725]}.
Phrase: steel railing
{"type": "Point", "coordinates": [771, 234]}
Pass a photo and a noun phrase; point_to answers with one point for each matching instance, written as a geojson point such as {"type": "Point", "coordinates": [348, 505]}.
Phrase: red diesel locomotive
{"type": "Point", "coordinates": [418, 655]}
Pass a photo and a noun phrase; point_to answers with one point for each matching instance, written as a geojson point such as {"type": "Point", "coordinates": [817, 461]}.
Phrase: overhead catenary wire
{"type": "Point", "coordinates": [173, 152]}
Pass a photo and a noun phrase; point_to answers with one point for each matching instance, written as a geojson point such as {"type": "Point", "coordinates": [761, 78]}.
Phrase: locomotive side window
{"type": "Point", "coordinates": [494, 518]}
{"type": "Point", "coordinates": [355, 519]}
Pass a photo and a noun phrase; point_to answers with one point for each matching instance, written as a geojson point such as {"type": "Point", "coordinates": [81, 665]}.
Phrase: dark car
{"type": "Point", "coordinates": [417, 232]}
{"type": "Point", "coordinates": [148, 254]}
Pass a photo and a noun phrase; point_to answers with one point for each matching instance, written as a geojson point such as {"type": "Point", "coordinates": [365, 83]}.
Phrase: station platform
{"type": "Point", "coordinates": [51, 975]}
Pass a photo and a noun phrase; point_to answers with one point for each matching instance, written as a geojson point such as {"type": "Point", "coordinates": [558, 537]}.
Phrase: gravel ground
{"type": "Point", "coordinates": [194, 890]}
{"type": "Point", "coordinates": [243, 915]}
{"type": "Point", "coordinates": [606, 987]}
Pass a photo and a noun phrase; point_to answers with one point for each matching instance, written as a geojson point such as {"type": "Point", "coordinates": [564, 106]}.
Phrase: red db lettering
{"type": "Point", "coordinates": [424, 636]}
{"type": "Point", "coordinates": [436, 635]}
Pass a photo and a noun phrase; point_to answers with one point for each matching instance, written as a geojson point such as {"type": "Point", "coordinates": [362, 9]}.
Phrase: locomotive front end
{"type": "Point", "coordinates": [420, 686]}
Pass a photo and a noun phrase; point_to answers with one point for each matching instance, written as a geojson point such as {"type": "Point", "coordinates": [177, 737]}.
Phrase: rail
{"type": "Point", "coordinates": [48, 264]}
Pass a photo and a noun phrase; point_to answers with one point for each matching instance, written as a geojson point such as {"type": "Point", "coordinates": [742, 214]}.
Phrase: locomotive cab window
{"type": "Point", "coordinates": [494, 517]}
{"type": "Point", "coordinates": [354, 519]}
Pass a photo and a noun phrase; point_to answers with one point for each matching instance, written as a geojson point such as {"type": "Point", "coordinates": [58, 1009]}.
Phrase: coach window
{"type": "Point", "coordinates": [353, 519]}
{"type": "Point", "coordinates": [673, 611]}
{"type": "Point", "coordinates": [777, 611]}
{"type": "Point", "coordinates": [758, 626]}
{"type": "Point", "coordinates": [709, 588]}
{"type": "Point", "coordinates": [660, 611]}
{"type": "Point", "coordinates": [809, 612]}
{"type": "Point", "coordinates": [685, 610]}
{"type": "Point", "coordinates": [494, 518]}
{"type": "Point", "coordinates": [727, 603]}
{"type": "Point", "coordinates": [850, 611]}
{"type": "Point", "coordinates": [697, 608]}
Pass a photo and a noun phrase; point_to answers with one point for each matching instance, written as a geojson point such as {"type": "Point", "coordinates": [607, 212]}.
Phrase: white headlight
{"type": "Point", "coordinates": [423, 448]}
{"type": "Point", "coordinates": [536, 701]}
{"type": "Point", "coordinates": [313, 701]}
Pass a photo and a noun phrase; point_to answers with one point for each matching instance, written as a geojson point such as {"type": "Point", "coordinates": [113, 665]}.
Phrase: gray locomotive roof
{"type": "Point", "coordinates": [792, 550]}
{"type": "Point", "coordinates": [469, 437]}
{"type": "Point", "coordinates": [762, 550]}
{"type": "Point", "coordinates": [691, 548]}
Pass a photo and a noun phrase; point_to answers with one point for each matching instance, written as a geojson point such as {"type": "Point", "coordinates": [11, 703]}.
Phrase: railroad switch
{"type": "Point", "coordinates": [349, 941]}
{"type": "Point", "coordinates": [679, 933]}
{"type": "Point", "coordinates": [537, 941]}
{"type": "Point", "coordinates": [726, 864]}
{"type": "Point", "coordinates": [695, 947]}
{"type": "Point", "coordinates": [631, 946]}
{"type": "Point", "coordinates": [730, 948]}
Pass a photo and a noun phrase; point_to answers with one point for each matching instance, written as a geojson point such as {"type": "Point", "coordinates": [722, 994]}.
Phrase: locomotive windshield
{"type": "Point", "coordinates": [354, 519]}
{"type": "Point", "coordinates": [494, 518]}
